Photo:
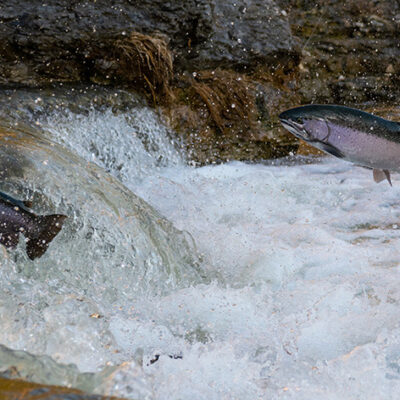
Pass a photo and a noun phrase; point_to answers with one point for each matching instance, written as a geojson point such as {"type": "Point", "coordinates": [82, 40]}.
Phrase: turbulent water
{"type": "Point", "coordinates": [290, 290]}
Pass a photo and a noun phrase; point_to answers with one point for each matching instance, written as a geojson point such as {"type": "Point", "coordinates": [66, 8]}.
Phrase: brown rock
{"type": "Point", "coordinates": [16, 389]}
{"type": "Point", "coordinates": [349, 45]}
{"type": "Point", "coordinates": [224, 115]}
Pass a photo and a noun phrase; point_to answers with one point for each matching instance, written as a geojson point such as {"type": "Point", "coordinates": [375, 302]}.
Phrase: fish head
{"type": "Point", "coordinates": [305, 123]}
{"type": "Point", "coordinates": [316, 125]}
{"type": "Point", "coordinates": [294, 124]}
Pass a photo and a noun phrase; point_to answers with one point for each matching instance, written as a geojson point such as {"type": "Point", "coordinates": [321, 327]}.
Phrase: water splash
{"type": "Point", "coordinates": [112, 249]}
{"type": "Point", "coordinates": [131, 146]}
{"type": "Point", "coordinates": [307, 257]}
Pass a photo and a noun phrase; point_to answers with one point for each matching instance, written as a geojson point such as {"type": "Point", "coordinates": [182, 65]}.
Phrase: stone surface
{"type": "Point", "coordinates": [224, 115]}
{"type": "Point", "coordinates": [16, 389]}
{"type": "Point", "coordinates": [71, 41]}
{"type": "Point", "coordinates": [350, 50]}
{"type": "Point", "coordinates": [243, 33]}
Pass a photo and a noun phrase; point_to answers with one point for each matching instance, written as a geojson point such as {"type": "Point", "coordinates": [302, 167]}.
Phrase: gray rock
{"type": "Point", "coordinates": [243, 33]}
{"type": "Point", "coordinates": [65, 40]}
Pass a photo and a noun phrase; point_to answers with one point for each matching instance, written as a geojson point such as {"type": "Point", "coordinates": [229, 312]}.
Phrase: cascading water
{"type": "Point", "coordinates": [297, 292]}
{"type": "Point", "coordinates": [113, 248]}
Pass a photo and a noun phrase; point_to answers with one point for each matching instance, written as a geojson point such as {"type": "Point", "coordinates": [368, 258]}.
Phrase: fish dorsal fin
{"type": "Point", "coordinates": [380, 175]}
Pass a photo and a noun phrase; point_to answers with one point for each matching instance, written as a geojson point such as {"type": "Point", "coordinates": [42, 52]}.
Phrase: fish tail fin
{"type": "Point", "coordinates": [10, 240]}
{"type": "Point", "coordinates": [387, 175]}
{"type": "Point", "coordinates": [382, 174]}
{"type": "Point", "coordinates": [49, 226]}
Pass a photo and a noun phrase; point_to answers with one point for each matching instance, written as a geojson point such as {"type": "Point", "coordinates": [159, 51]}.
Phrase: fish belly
{"type": "Point", "coordinates": [368, 150]}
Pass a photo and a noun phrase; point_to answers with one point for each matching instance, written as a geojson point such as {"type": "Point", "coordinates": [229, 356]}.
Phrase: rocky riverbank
{"type": "Point", "coordinates": [222, 72]}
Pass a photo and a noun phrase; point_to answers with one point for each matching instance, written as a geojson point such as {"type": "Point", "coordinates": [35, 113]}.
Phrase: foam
{"type": "Point", "coordinates": [304, 299]}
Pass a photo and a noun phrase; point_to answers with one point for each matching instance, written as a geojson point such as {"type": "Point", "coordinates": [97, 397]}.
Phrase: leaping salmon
{"type": "Point", "coordinates": [39, 230]}
{"type": "Point", "coordinates": [354, 135]}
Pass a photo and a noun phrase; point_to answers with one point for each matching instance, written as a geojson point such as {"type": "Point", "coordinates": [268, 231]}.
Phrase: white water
{"type": "Point", "coordinates": [306, 264]}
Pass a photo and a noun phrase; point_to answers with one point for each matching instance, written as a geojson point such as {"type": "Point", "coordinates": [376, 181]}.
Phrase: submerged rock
{"type": "Point", "coordinates": [16, 389]}
{"type": "Point", "coordinates": [115, 248]}
{"type": "Point", "coordinates": [24, 376]}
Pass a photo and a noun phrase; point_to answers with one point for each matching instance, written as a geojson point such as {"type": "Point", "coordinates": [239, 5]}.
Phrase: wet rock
{"type": "Point", "coordinates": [224, 115]}
{"type": "Point", "coordinates": [292, 52]}
{"type": "Point", "coordinates": [12, 389]}
{"type": "Point", "coordinates": [71, 42]}
{"type": "Point", "coordinates": [350, 50]}
{"type": "Point", "coordinates": [29, 377]}
{"type": "Point", "coordinates": [242, 33]}
{"type": "Point", "coordinates": [67, 41]}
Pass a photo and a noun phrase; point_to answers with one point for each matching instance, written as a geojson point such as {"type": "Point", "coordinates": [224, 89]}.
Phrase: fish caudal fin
{"type": "Point", "coordinates": [49, 226]}
{"type": "Point", "coordinates": [380, 175]}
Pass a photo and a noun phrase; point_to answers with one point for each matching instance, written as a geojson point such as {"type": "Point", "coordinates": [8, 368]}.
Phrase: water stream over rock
{"type": "Point", "coordinates": [296, 291]}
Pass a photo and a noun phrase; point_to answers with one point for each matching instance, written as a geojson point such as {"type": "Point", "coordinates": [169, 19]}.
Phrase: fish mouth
{"type": "Point", "coordinates": [295, 128]}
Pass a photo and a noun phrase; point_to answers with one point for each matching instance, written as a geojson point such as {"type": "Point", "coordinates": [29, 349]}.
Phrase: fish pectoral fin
{"type": "Point", "coordinates": [330, 149]}
{"type": "Point", "coordinates": [381, 174]}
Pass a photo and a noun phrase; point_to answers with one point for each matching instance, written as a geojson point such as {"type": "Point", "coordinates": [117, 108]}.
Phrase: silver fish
{"type": "Point", "coordinates": [354, 135]}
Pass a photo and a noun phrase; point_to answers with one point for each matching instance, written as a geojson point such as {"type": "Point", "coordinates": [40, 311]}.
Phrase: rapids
{"type": "Point", "coordinates": [238, 281]}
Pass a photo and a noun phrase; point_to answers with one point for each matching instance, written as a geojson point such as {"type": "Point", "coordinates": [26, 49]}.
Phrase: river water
{"type": "Point", "coordinates": [272, 280]}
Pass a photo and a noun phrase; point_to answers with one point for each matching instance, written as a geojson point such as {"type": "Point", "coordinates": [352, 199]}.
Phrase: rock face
{"type": "Point", "coordinates": [224, 115]}
{"type": "Point", "coordinates": [75, 42]}
{"type": "Point", "coordinates": [71, 40]}
{"type": "Point", "coordinates": [290, 52]}
{"type": "Point", "coordinates": [350, 50]}
{"type": "Point", "coordinates": [242, 33]}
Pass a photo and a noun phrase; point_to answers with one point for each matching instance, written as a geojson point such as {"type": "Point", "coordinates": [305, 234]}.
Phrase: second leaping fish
{"type": "Point", "coordinates": [39, 230]}
{"type": "Point", "coordinates": [354, 135]}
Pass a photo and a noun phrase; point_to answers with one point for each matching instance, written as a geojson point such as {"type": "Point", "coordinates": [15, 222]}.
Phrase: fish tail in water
{"type": "Point", "coordinates": [49, 226]}
{"type": "Point", "coordinates": [10, 239]}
